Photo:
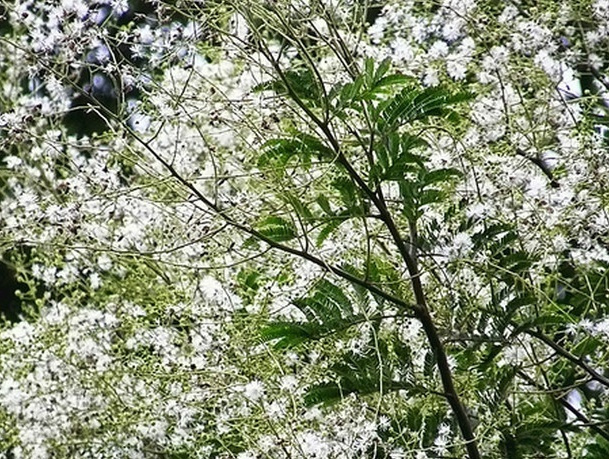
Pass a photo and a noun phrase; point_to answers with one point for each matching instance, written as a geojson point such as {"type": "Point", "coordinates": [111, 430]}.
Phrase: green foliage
{"type": "Point", "coordinates": [598, 448]}
{"type": "Point", "coordinates": [331, 224]}
{"type": "Point", "coordinates": [351, 200]}
{"type": "Point", "coordinates": [301, 84]}
{"type": "Point", "coordinates": [396, 158]}
{"type": "Point", "coordinates": [277, 229]}
{"type": "Point", "coordinates": [301, 209]}
{"type": "Point", "coordinates": [535, 432]}
{"type": "Point", "coordinates": [385, 104]}
{"type": "Point", "coordinates": [290, 334]}
{"type": "Point", "coordinates": [372, 84]}
{"type": "Point", "coordinates": [347, 180]}
{"type": "Point", "coordinates": [416, 104]}
{"type": "Point", "coordinates": [276, 153]}
{"type": "Point", "coordinates": [427, 188]}
{"type": "Point", "coordinates": [416, 423]}
{"type": "Point", "coordinates": [327, 310]}
{"type": "Point", "coordinates": [362, 374]}
{"type": "Point", "coordinates": [249, 281]}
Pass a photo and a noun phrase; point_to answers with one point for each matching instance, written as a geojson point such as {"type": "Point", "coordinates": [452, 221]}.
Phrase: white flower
{"type": "Point", "coordinates": [156, 430]}
{"type": "Point", "coordinates": [549, 64]}
{"type": "Point", "coordinates": [314, 446]}
{"type": "Point", "coordinates": [289, 382]}
{"type": "Point", "coordinates": [550, 159]}
{"type": "Point", "coordinates": [462, 243]}
{"type": "Point", "coordinates": [477, 211]}
{"type": "Point", "coordinates": [254, 391]}
{"type": "Point", "coordinates": [455, 68]}
{"type": "Point", "coordinates": [276, 410]}
{"type": "Point", "coordinates": [438, 49]}
{"type": "Point", "coordinates": [536, 185]}
{"type": "Point", "coordinates": [144, 35]}
{"type": "Point", "coordinates": [247, 455]}
{"type": "Point", "coordinates": [431, 77]}
{"type": "Point", "coordinates": [210, 287]}
{"type": "Point", "coordinates": [95, 281]}
{"type": "Point", "coordinates": [508, 14]}
{"type": "Point", "coordinates": [453, 29]}
{"type": "Point", "coordinates": [139, 122]}
{"type": "Point", "coordinates": [376, 31]}
{"type": "Point", "coordinates": [22, 332]}
{"type": "Point", "coordinates": [12, 162]}
{"type": "Point", "coordinates": [104, 262]}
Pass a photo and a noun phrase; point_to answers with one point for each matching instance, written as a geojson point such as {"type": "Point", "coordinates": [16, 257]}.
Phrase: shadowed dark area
{"type": "Point", "coordinates": [10, 305]}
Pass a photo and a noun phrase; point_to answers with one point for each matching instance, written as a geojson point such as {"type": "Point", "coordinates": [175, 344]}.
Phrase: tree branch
{"type": "Point", "coordinates": [421, 310]}
{"type": "Point", "coordinates": [567, 355]}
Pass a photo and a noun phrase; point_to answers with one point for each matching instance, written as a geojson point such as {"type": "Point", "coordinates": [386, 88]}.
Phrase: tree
{"type": "Point", "coordinates": [286, 246]}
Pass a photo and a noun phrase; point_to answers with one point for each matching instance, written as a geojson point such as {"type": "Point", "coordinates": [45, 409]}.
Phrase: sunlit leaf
{"type": "Point", "coordinates": [277, 229]}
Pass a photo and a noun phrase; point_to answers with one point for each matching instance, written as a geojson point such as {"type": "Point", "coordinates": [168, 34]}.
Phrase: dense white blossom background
{"type": "Point", "coordinates": [138, 338]}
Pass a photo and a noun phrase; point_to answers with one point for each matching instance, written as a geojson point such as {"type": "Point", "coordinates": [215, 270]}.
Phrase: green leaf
{"type": "Point", "coordinates": [325, 205]}
{"type": "Point", "coordinates": [348, 191]}
{"type": "Point", "coordinates": [408, 142]}
{"type": "Point", "coordinates": [392, 141]}
{"type": "Point", "coordinates": [382, 272]}
{"type": "Point", "coordinates": [382, 156]}
{"type": "Point", "coordinates": [369, 85]}
{"type": "Point", "coordinates": [406, 163]}
{"type": "Point", "coordinates": [327, 291]}
{"type": "Point", "coordinates": [418, 104]}
{"type": "Point", "coordinates": [301, 208]}
{"type": "Point", "coordinates": [277, 229]}
{"type": "Point", "coordinates": [327, 310]}
{"type": "Point", "coordinates": [402, 160]}
{"type": "Point", "coordinates": [431, 197]}
{"type": "Point", "coordinates": [328, 229]}
{"type": "Point", "coordinates": [521, 300]}
{"type": "Point", "coordinates": [381, 70]}
{"type": "Point", "coordinates": [301, 84]}
{"type": "Point", "coordinates": [307, 307]}
{"type": "Point", "coordinates": [587, 346]}
{"type": "Point", "coordinates": [361, 291]}
{"type": "Point", "coordinates": [249, 279]}
{"type": "Point", "coordinates": [277, 152]}
{"type": "Point", "coordinates": [369, 71]}
{"type": "Point", "coordinates": [327, 394]}
{"type": "Point", "coordinates": [327, 306]}
{"type": "Point", "coordinates": [518, 262]}
{"type": "Point", "coordinates": [288, 334]}
{"type": "Point", "coordinates": [441, 176]}
{"type": "Point", "coordinates": [597, 447]}
{"type": "Point", "coordinates": [315, 145]}
{"type": "Point", "coordinates": [494, 236]}
{"type": "Point", "coordinates": [429, 364]}
{"type": "Point", "coordinates": [360, 374]}
{"type": "Point", "coordinates": [391, 80]}
{"type": "Point", "coordinates": [550, 318]}
{"type": "Point", "coordinates": [410, 194]}
{"type": "Point", "coordinates": [350, 92]}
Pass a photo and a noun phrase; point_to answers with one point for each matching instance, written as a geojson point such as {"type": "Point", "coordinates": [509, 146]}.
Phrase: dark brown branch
{"type": "Point", "coordinates": [567, 355]}
{"type": "Point", "coordinates": [565, 403]}
{"type": "Point", "coordinates": [252, 232]}
{"type": "Point", "coordinates": [421, 310]}
{"type": "Point", "coordinates": [539, 163]}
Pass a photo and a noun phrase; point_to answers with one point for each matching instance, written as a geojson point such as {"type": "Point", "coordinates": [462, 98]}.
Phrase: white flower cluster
{"type": "Point", "coordinates": [139, 337]}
